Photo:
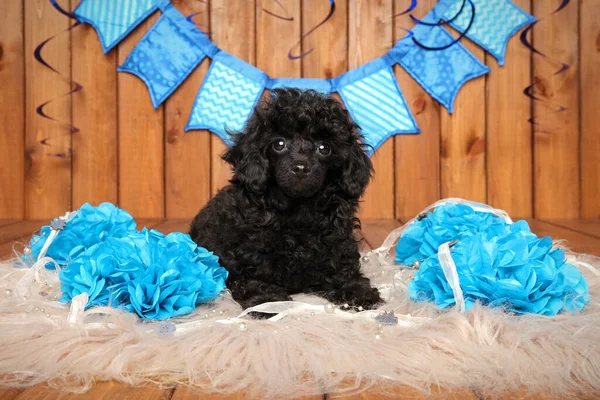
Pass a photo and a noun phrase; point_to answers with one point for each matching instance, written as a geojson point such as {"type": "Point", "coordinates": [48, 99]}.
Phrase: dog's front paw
{"type": "Point", "coordinates": [356, 294]}
{"type": "Point", "coordinates": [365, 297]}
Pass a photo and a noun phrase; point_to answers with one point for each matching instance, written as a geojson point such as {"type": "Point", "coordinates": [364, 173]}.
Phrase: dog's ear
{"type": "Point", "coordinates": [250, 165]}
{"type": "Point", "coordinates": [356, 172]}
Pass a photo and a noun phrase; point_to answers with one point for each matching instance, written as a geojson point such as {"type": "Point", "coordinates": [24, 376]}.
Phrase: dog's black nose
{"type": "Point", "coordinates": [301, 169]}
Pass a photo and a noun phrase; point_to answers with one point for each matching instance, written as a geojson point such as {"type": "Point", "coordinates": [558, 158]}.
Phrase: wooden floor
{"type": "Point", "coordinates": [581, 236]}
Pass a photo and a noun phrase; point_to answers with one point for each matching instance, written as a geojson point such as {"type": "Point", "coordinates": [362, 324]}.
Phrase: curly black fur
{"type": "Point", "coordinates": [285, 223]}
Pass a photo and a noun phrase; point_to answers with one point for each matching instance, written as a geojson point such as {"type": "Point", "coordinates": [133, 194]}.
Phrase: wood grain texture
{"type": "Point", "coordinates": [370, 36]}
{"type": "Point", "coordinates": [16, 236]}
{"type": "Point", "coordinates": [95, 168]}
{"type": "Point", "coordinates": [556, 139]}
{"type": "Point", "coordinates": [233, 30]}
{"type": "Point", "coordinates": [187, 154]}
{"type": "Point", "coordinates": [101, 391]}
{"type": "Point", "coordinates": [9, 393]}
{"type": "Point", "coordinates": [276, 36]}
{"type": "Point", "coordinates": [589, 64]}
{"type": "Point", "coordinates": [463, 145]}
{"type": "Point", "coordinates": [391, 391]}
{"type": "Point", "coordinates": [375, 231]}
{"type": "Point", "coordinates": [141, 145]}
{"type": "Point", "coordinates": [589, 227]}
{"type": "Point", "coordinates": [48, 166]}
{"type": "Point", "coordinates": [174, 225]}
{"type": "Point", "coordinates": [329, 43]}
{"type": "Point", "coordinates": [508, 130]}
{"type": "Point", "coordinates": [417, 160]}
{"type": "Point", "coordinates": [182, 393]}
{"type": "Point", "coordinates": [576, 241]}
{"type": "Point", "coordinates": [12, 110]}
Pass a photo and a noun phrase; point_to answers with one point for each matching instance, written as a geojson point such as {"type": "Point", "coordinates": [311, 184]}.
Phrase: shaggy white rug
{"type": "Point", "coordinates": [303, 350]}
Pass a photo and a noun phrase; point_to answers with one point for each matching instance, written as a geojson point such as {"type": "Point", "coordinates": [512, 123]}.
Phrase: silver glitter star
{"type": "Point", "coordinates": [387, 318]}
{"type": "Point", "coordinates": [58, 224]}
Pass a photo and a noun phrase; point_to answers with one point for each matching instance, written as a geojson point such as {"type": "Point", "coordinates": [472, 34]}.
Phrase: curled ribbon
{"type": "Point", "coordinates": [75, 87]}
{"type": "Point", "coordinates": [530, 91]}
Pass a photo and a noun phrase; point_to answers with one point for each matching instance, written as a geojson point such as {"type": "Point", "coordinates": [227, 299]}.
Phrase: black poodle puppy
{"type": "Point", "coordinates": [285, 223]}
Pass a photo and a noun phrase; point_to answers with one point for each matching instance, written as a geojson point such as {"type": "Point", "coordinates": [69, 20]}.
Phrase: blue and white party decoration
{"type": "Point", "coordinates": [494, 23]}
{"type": "Point", "coordinates": [227, 97]}
{"type": "Point", "coordinates": [99, 254]}
{"type": "Point", "coordinates": [491, 261]}
{"type": "Point", "coordinates": [170, 51]}
{"type": "Point", "coordinates": [114, 19]}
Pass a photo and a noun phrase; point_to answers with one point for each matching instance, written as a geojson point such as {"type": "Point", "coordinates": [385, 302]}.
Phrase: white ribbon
{"type": "Point", "coordinates": [449, 268]}
{"type": "Point", "coordinates": [393, 237]}
{"type": "Point", "coordinates": [76, 313]}
{"type": "Point", "coordinates": [54, 233]}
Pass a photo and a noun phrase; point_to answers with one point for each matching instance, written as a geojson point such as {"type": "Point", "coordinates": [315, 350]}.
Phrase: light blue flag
{"type": "Point", "coordinates": [441, 72]}
{"type": "Point", "coordinates": [114, 19]}
{"type": "Point", "coordinates": [163, 59]}
{"type": "Point", "coordinates": [376, 103]}
{"type": "Point", "coordinates": [494, 23]}
{"type": "Point", "coordinates": [227, 97]}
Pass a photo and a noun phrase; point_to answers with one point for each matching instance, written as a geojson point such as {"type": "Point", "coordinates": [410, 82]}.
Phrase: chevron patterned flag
{"type": "Point", "coordinates": [441, 72]}
{"type": "Point", "coordinates": [494, 23]}
{"type": "Point", "coordinates": [377, 105]}
{"type": "Point", "coordinates": [225, 101]}
{"type": "Point", "coordinates": [114, 19]}
{"type": "Point", "coordinates": [163, 59]}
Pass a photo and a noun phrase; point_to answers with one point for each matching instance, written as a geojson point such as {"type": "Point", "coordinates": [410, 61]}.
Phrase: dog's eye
{"type": "Point", "coordinates": [279, 145]}
{"type": "Point", "coordinates": [324, 149]}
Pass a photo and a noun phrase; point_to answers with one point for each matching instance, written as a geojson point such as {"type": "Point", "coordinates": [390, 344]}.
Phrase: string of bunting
{"type": "Point", "coordinates": [174, 47]}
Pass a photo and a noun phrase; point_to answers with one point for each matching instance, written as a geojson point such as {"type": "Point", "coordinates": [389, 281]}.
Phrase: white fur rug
{"type": "Point", "coordinates": [306, 351]}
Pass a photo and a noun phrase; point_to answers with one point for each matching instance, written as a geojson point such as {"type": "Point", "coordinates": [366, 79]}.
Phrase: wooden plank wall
{"type": "Point", "coordinates": [129, 153]}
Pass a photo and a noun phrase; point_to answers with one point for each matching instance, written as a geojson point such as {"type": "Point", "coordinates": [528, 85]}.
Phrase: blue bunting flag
{"type": "Point", "coordinates": [227, 97]}
{"type": "Point", "coordinates": [494, 23]}
{"type": "Point", "coordinates": [114, 19]}
{"type": "Point", "coordinates": [376, 103]}
{"type": "Point", "coordinates": [163, 59]}
{"type": "Point", "coordinates": [171, 50]}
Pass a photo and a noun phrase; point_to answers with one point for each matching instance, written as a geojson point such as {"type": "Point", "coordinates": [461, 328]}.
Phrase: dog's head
{"type": "Point", "coordinates": [303, 142]}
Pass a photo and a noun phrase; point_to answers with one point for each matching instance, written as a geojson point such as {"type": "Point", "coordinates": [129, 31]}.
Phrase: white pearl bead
{"type": "Point", "coordinates": [312, 314]}
{"type": "Point", "coordinates": [8, 292]}
{"type": "Point", "coordinates": [329, 308]}
{"type": "Point", "coordinates": [42, 310]}
{"type": "Point", "coordinates": [27, 250]}
{"type": "Point", "coordinates": [221, 312]}
{"type": "Point", "coordinates": [214, 311]}
{"type": "Point", "coordinates": [205, 315]}
{"type": "Point", "coordinates": [48, 315]}
{"type": "Point", "coordinates": [287, 327]}
{"type": "Point", "coordinates": [378, 337]}
{"type": "Point", "coordinates": [416, 264]}
{"type": "Point", "coordinates": [242, 326]}
{"type": "Point", "coordinates": [360, 308]}
{"type": "Point", "coordinates": [37, 309]}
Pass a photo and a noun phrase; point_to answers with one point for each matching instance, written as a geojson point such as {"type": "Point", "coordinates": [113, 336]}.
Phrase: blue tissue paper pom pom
{"type": "Point", "coordinates": [446, 223]}
{"type": "Point", "coordinates": [91, 225]}
{"type": "Point", "coordinates": [153, 275]}
{"type": "Point", "coordinates": [506, 267]}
